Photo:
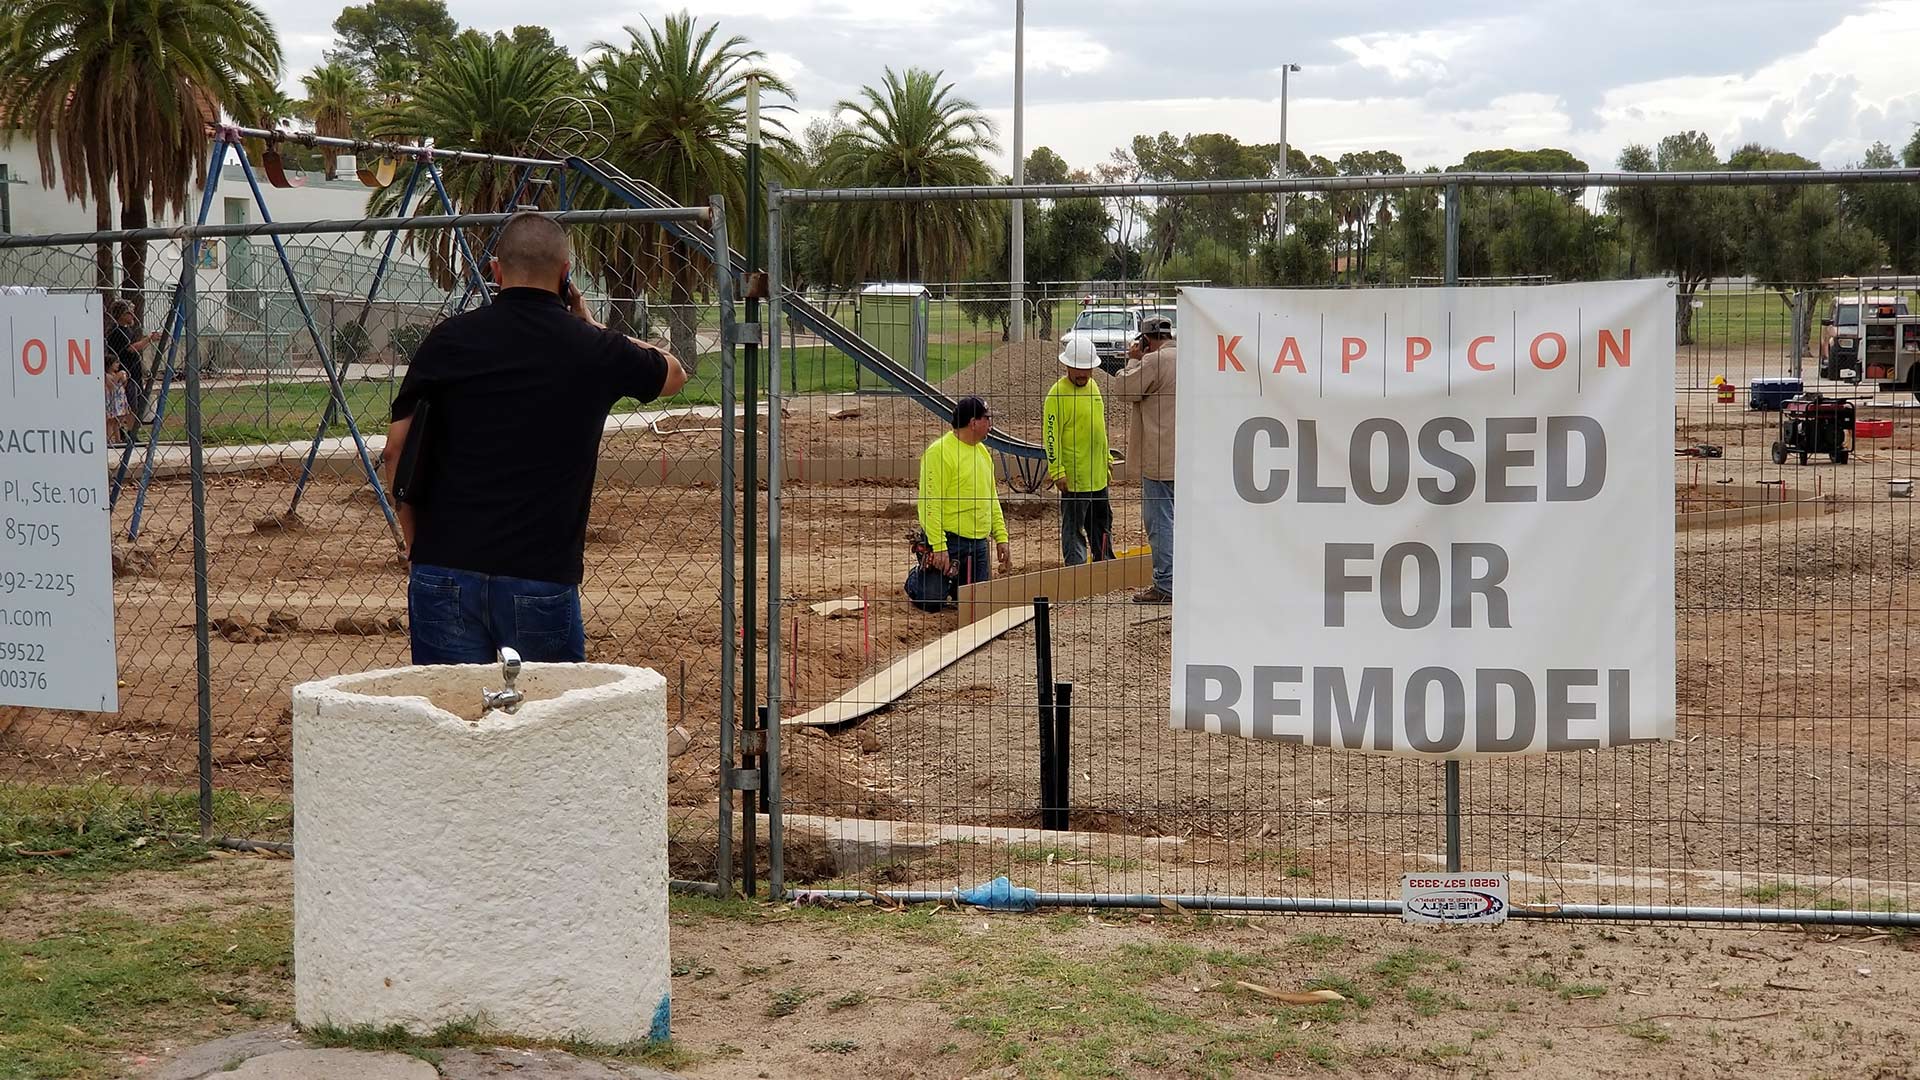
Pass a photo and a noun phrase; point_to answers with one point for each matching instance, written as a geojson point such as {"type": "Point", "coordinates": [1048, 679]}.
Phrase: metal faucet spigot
{"type": "Point", "coordinates": [508, 699]}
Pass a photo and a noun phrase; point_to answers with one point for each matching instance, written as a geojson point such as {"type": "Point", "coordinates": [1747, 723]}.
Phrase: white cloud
{"type": "Point", "coordinates": [1404, 57]}
{"type": "Point", "coordinates": [1048, 49]}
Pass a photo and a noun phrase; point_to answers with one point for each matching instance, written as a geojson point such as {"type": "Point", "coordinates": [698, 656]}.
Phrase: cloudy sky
{"type": "Point", "coordinates": [1825, 78]}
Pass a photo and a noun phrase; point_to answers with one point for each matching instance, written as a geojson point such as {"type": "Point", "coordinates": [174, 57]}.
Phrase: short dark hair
{"type": "Point", "coordinates": [531, 241]}
{"type": "Point", "coordinates": [119, 308]}
{"type": "Point", "coordinates": [967, 410]}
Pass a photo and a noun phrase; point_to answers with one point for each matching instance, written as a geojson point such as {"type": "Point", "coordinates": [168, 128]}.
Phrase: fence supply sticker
{"type": "Point", "coordinates": [56, 573]}
{"type": "Point", "coordinates": [1435, 522]}
{"type": "Point", "coordinates": [1454, 899]}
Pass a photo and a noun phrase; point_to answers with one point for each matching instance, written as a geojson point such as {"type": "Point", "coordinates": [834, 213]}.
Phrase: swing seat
{"type": "Point", "coordinates": [380, 175]}
{"type": "Point", "coordinates": [276, 170]}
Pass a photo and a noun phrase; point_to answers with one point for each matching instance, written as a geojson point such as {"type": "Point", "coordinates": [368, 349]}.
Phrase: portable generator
{"type": "Point", "coordinates": [1811, 424]}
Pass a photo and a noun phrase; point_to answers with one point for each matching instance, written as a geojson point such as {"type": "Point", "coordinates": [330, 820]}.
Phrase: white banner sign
{"type": "Point", "coordinates": [56, 571]}
{"type": "Point", "coordinates": [1426, 521]}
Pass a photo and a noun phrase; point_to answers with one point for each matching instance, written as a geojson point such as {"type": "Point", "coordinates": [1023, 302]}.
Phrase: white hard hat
{"type": "Point", "coordinates": [1080, 355]}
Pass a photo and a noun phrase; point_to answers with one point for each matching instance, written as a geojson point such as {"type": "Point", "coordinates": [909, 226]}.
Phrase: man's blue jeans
{"type": "Point", "coordinates": [1156, 513]}
{"type": "Point", "coordinates": [971, 561]}
{"type": "Point", "coordinates": [460, 617]}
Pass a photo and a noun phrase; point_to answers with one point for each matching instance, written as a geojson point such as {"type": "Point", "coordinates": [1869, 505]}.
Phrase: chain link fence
{"type": "Point", "coordinates": [1785, 795]}
{"type": "Point", "coordinates": [1787, 792]}
{"type": "Point", "coordinates": [298, 361]}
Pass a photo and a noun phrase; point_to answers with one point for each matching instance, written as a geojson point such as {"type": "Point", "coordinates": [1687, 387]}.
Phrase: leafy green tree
{"type": "Point", "coordinates": [1690, 232]}
{"type": "Point", "coordinates": [413, 29]}
{"type": "Point", "coordinates": [1791, 238]}
{"type": "Point", "coordinates": [1890, 211]}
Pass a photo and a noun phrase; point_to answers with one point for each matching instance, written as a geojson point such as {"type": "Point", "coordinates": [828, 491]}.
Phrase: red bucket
{"type": "Point", "coordinates": [1873, 429]}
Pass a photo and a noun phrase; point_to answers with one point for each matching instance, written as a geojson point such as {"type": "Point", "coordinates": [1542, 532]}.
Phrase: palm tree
{"type": "Point", "coordinates": [336, 100]}
{"type": "Point", "coordinates": [119, 95]}
{"type": "Point", "coordinates": [678, 95]}
{"type": "Point", "coordinates": [477, 93]}
{"type": "Point", "coordinates": [910, 133]}
{"type": "Point", "coordinates": [268, 106]}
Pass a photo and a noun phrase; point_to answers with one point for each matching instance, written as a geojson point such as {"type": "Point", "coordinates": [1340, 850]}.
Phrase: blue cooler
{"type": "Point", "coordinates": [1773, 393]}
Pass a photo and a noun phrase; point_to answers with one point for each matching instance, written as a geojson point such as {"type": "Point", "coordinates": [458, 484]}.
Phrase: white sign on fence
{"type": "Point", "coordinates": [1454, 899]}
{"type": "Point", "coordinates": [1426, 521]}
{"type": "Point", "coordinates": [56, 574]}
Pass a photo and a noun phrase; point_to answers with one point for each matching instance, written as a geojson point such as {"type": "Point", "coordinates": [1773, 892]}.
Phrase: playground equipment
{"type": "Point", "coordinates": [1028, 460]}
{"type": "Point", "coordinates": [572, 131]}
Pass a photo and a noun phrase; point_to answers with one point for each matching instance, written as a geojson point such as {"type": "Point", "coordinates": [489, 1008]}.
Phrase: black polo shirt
{"type": "Point", "coordinates": [519, 392]}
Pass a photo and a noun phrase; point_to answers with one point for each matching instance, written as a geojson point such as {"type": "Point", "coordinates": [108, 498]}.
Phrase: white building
{"type": "Point", "coordinates": [248, 313]}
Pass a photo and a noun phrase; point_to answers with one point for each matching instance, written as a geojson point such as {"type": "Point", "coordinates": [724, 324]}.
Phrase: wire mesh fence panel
{"type": "Point", "coordinates": [306, 576]}
{"type": "Point", "coordinates": [914, 753]}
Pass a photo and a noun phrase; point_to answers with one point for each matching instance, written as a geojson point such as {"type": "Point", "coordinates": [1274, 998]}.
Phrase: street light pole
{"type": "Point", "coordinates": [1284, 70]}
{"type": "Point", "coordinates": [1017, 252]}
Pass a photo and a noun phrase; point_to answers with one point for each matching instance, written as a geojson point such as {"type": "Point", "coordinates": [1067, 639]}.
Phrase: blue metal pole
{"type": "Point", "coordinates": [326, 359]}
{"type": "Point", "coordinates": [459, 236]}
{"type": "Point", "coordinates": [189, 265]}
{"type": "Point", "coordinates": [373, 290]}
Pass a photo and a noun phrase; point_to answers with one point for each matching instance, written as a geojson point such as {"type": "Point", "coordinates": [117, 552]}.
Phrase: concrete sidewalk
{"type": "Point", "coordinates": [174, 459]}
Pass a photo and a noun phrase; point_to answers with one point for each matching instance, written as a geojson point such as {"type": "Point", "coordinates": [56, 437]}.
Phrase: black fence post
{"type": "Point", "coordinates": [1062, 741]}
{"type": "Point", "coordinates": [1043, 671]}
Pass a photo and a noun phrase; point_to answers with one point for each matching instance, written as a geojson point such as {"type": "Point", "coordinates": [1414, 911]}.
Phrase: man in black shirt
{"type": "Point", "coordinates": [517, 395]}
{"type": "Point", "coordinates": [125, 345]}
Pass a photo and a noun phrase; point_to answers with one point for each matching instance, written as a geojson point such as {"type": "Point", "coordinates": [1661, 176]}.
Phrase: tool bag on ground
{"type": "Point", "coordinates": [929, 589]}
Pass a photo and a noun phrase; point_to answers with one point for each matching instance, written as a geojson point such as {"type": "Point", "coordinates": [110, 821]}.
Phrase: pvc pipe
{"type": "Point", "coordinates": [1300, 905]}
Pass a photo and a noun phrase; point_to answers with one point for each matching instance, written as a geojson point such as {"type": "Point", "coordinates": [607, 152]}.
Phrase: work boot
{"type": "Point", "coordinates": [1153, 594]}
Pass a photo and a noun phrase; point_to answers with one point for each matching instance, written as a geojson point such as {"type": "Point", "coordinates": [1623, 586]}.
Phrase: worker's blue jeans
{"type": "Point", "coordinates": [461, 617]}
{"type": "Point", "coordinates": [1086, 523]}
{"type": "Point", "coordinates": [1156, 513]}
{"type": "Point", "coordinates": [969, 561]}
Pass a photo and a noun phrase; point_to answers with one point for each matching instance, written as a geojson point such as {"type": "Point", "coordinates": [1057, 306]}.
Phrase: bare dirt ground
{"type": "Point", "coordinates": [1797, 700]}
{"type": "Point", "coordinates": [765, 991]}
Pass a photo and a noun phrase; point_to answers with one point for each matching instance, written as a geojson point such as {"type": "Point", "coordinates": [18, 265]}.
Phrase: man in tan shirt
{"type": "Point", "coordinates": [1146, 384]}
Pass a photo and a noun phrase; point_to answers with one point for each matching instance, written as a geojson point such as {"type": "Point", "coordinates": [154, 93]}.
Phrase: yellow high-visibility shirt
{"type": "Point", "coordinates": [958, 493]}
{"type": "Point", "coordinates": [1076, 418]}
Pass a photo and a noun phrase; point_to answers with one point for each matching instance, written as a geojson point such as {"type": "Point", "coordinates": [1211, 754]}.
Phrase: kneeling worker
{"type": "Point", "coordinates": [960, 499]}
{"type": "Point", "coordinates": [1077, 460]}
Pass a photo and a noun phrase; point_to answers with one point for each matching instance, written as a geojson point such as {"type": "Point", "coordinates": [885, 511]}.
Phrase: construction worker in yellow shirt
{"type": "Point", "coordinates": [960, 500]}
{"type": "Point", "coordinates": [1077, 461]}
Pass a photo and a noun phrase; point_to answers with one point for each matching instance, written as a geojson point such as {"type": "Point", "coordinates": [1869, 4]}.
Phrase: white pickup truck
{"type": "Point", "coordinates": [1874, 338]}
{"type": "Point", "coordinates": [1109, 330]}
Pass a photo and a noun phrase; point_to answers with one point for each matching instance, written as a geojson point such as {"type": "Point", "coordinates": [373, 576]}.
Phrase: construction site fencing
{"type": "Point", "coordinates": [292, 341]}
{"type": "Point", "coordinates": [911, 761]}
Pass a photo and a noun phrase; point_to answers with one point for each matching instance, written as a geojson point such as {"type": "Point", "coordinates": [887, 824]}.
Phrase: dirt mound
{"type": "Point", "coordinates": [1014, 381]}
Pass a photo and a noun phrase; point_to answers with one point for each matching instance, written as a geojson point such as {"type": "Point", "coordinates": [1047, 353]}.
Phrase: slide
{"type": "Point", "coordinates": [1028, 458]}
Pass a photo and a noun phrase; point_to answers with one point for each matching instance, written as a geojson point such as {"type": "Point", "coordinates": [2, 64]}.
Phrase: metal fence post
{"type": "Point", "coordinates": [202, 653]}
{"type": "Point", "coordinates": [770, 761]}
{"type": "Point", "coordinates": [729, 656]}
{"type": "Point", "coordinates": [1452, 278]}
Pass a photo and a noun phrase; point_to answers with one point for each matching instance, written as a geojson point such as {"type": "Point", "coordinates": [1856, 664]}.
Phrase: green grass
{"type": "Point", "coordinates": [1647, 1031]}
{"type": "Point", "coordinates": [279, 411]}
{"type": "Point", "coordinates": [1731, 320]}
{"type": "Point", "coordinates": [75, 998]}
{"type": "Point", "coordinates": [99, 828]}
{"type": "Point", "coordinates": [475, 1031]}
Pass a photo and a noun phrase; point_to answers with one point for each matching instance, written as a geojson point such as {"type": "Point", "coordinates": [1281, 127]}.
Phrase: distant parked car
{"type": "Point", "coordinates": [1106, 330]}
